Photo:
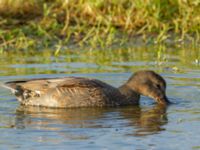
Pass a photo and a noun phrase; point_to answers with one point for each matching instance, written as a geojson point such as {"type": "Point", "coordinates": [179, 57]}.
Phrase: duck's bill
{"type": "Point", "coordinates": [163, 101]}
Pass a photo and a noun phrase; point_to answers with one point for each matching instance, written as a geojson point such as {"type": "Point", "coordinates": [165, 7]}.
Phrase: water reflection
{"type": "Point", "coordinates": [143, 121]}
{"type": "Point", "coordinates": [129, 59]}
{"type": "Point", "coordinates": [150, 121]}
{"type": "Point", "coordinates": [104, 128]}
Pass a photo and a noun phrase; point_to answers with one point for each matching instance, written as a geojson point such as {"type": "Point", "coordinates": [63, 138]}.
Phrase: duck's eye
{"type": "Point", "coordinates": [158, 86]}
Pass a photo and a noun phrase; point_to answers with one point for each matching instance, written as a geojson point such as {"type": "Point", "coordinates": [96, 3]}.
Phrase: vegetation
{"type": "Point", "coordinates": [27, 24]}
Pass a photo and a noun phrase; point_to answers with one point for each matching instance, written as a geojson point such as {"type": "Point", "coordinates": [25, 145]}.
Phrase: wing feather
{"type": "Point", "coordinates": [65, 92]}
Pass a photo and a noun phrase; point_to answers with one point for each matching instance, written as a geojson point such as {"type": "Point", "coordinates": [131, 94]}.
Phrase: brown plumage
{"type": "Point", "coordinates": [83, 92]}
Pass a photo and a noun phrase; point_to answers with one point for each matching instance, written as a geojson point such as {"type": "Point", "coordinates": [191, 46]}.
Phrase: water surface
{"type": "Point", "coordinates": [147, 126]}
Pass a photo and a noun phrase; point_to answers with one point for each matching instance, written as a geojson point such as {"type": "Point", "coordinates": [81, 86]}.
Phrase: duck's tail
{"type": "Point", "coordinates": [8, 86]}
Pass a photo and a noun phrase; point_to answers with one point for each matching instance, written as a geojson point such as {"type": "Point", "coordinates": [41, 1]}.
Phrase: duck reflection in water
{"type": "Point", "coordinates": [150, 120]}
{"type": "Point", "coordinates": [144, 121]}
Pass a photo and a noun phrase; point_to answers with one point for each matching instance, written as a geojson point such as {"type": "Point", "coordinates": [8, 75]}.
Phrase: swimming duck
{"type": "Point", "coordinates": [70, 92]}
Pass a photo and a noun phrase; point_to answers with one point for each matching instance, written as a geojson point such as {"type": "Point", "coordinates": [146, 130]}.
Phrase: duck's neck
{"type": "Point", "coordinates": [129, 93]}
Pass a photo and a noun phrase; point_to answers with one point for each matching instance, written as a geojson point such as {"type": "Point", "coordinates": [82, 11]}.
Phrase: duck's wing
{"type": "Point", "coordinates": [62, 92]}
{"type": "Point", "coordinates": [40, 85]}
{"type": "Point", "coordinates": [43, 85]}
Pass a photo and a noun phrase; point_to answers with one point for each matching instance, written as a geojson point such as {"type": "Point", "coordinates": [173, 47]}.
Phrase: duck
{"type": "Point", "coordinates": [70, 92]}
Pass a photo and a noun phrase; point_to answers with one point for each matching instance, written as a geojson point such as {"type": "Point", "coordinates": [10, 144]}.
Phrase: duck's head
{"type": "Point", "coordinates": [150, 84]}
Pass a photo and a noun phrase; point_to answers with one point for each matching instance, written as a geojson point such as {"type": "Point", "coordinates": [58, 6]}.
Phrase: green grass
{"type": "Point", "coordinates": [25, 24]}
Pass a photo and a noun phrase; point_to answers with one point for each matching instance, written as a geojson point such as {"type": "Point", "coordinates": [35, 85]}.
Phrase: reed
{"type": "Point", "coordinates": [96, 23]}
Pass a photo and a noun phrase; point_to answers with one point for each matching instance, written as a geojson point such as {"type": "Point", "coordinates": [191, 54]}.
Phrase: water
{"type": "Point", "coordinates": [147, 126]}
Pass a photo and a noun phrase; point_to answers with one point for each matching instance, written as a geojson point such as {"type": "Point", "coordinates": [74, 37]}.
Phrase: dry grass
{"type": "Point", "coordinates": [96, 22]}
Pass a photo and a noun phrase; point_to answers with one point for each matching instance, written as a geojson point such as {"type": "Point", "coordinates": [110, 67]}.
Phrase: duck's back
{"type": "Point", "coordinates": [65, 92]}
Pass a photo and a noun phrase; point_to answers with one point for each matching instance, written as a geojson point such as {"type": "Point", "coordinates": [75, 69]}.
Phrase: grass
{"type": "Point", "coordinates": [29, 24]}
